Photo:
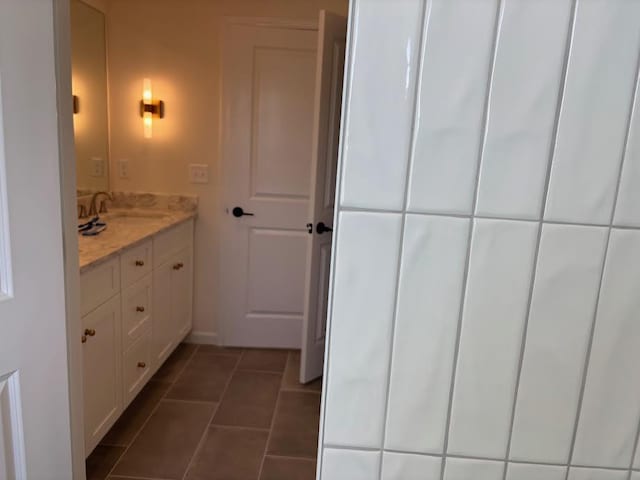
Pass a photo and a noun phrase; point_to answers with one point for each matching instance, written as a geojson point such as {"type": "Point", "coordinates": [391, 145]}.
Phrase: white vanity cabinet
{"type": "Point", "coordinates": [136, 308]}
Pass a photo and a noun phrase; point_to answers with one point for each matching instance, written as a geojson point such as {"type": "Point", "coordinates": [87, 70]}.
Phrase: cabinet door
{"type": "Point", "coordinates": [164, 338]}
{"type": "Point", "coordinates": [102, 356]}
{"type": "Point", "coordinates": [182, 293]}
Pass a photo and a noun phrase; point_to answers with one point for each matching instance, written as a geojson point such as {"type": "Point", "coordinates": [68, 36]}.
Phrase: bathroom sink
{"type": "Point", "coordinates": [134, 216]}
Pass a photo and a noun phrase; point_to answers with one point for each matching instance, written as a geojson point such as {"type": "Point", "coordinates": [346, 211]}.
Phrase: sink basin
{"type": "Point", "coordinates": [133, 217]}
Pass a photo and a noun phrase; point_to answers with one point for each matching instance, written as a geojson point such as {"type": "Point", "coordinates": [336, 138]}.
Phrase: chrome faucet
{"type": "Point", "coordinates": [93, 209]}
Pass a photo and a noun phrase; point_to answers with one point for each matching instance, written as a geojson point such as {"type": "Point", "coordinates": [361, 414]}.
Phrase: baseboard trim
{"type": "Point", "coordinates": [202, 338]}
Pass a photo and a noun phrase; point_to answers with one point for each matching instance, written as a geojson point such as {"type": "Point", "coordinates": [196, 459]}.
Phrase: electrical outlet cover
{"type": "Point", "coordinates": [123, 168]}
{"type": "Point", "coordinates": [198, 173]}
{"type": "Point", "coordinates": [97, 167]}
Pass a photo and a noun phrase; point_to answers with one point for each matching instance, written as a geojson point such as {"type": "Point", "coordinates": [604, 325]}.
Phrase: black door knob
{"type": "Point", "coordinates": [321, 228]}
{"type": "Point", "coordinates": [239, 212]}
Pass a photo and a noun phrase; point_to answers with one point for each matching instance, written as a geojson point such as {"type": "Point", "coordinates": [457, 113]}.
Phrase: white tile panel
{"type": "Point", "coordinates": [528, 471]}
{"type": "Point", "coordinates": [498, 285]}
{"type": "Point", "coordinates": [432, 273]}
{"type": "Point", "coordinates": [467, 469]}
{"type": "Point", "coordinates": [593, 121]}
{"type": "Point", "coordinates": [399, 466]}
{"type": "Point", "coordinates": [451, 103]}
{"type": "Point", "coordinates": [562, 308]}
{"type": "Point", "coordinates": [385, 43]}
{"type": "Point", "coordinates": [596, 474]}
{"type": "Point", "coordinates": [368, 247]}
{"type": "Point", "coordinates": [611, 402]}
{"type": "Point", "coordinates": [522, 108]}
{"type": "Point", "coordinates": [340, 464]}
{"type": "Point", "coordinates": [627, 211]}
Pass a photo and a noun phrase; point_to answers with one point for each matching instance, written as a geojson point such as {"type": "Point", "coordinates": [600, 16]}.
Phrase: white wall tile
{"type": "Point", "coordinates": [596, 474]}
{"type": "Point", "coordinates": [368, 246]}
{"type": "Point", "coordinates": [398, 466]}
{"type": "Point", "coordinates": [560, 319]}
{"type": "Point", "coordinates": [433, 263]}
{"type": "Point", "coordinates": [611, 402]}
{"type": "Point", "coordinates": [463, 469]}
{"type": "Point", "coordinates": [349, 464]}
{"type": "Point", "coordinates": [593, 121]}
{"type": "Point", "coordinates": [627, 211]}
{"type": "Point", "coordinates": [522, 111]}
{"type": "Point", "coordinates": [451, 103]}
{"type": "Point", "coordinates": [636, 458]}
{"type": "Point", "coordinates": [635, 476]}
{"type": "Point", "coordinates": [498, 285]}
{"type": "Point", "coordinates": [528, 471]}
{"type": "Point", "coordinates": [386, 43]}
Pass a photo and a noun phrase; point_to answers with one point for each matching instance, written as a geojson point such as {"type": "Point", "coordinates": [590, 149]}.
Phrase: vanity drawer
{"type": "Point", "coordinates": [172, 241]}
{"type": "Point", "coordinates": [98, 285]}
{"type": "Point", "coordinates": [136, 310]}
{"type": "Point", "coordinates": [136, 262]}
{"type": "Point", "coordinates": [136, 367]}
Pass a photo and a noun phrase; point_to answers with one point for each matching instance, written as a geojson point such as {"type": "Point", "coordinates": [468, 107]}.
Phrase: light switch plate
{"type": "Point", "coordinates": [123, 168]}
{"type": "Point", "coordinates": [198, 173]}
{"type": "Point", "coordinates": [97, 167]}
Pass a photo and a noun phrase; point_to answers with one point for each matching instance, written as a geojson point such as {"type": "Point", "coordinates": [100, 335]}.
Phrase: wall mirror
{"type": "Point", "coordinates": [89, 88]}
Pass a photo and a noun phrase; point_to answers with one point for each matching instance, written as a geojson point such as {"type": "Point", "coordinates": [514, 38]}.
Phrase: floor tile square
{"type": "Point", "coordinates": [101, 461]}
{"type": "Point", "coordinates": [264, 360]}
{"type": "Point", "coordinates": [138, 411]}
{"type": "Point", "coordinates": [295, 428]}
{"type": "Point", "coordinates": [229, 454]}
{"type": "Point", "coordinates": [291, 377]}
{"type": "Point", "coordinates": [277, 468]}
{"type": "Point", "coordinates": [249, 400]}
{"type": "Point", "coordinates": [204, 378]}
{"type": "Point", "coordinates": [173, 365]}
{"type": "Point", "coordinates": [167, 442]}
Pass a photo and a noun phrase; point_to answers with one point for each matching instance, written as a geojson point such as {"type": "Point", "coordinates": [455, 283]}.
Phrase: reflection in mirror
{"type": "Point", "coordinates": [89, 84]}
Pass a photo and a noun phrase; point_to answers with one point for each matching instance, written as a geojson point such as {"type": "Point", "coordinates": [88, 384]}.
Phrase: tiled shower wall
{"type": "Point", "coordinates": [485, 310]}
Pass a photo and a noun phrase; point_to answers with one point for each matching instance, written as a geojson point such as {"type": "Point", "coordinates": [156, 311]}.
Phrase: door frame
{"type": "Point", "coordinates": [223, 324]}
{"type": "Point", "coordinates": [67, 159]}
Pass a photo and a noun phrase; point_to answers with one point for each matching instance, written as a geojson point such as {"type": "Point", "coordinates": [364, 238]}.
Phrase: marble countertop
{"type": "Point", "coordinates": [126, 228]}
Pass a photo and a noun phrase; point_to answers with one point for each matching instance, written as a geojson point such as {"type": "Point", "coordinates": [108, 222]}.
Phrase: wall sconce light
{"type": "Point", "coordinates": [149, 108]}
{"type": "Point", "coordinates": [76, 104]}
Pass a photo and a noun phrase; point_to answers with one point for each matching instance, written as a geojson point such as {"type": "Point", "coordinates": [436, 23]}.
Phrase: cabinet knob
{"type": "Point", "coordinates": [139, 263]}
{"type": "Point", "coordinates": [178, 266]}
{"type": "Point", "coordinates": [139, 309]}
{"type": "Point", "coordinates": [90, 332]}
{"type": "Point", "coordinates": [142, 365]}
{"type": "Point", "coordinates": [84, 339]}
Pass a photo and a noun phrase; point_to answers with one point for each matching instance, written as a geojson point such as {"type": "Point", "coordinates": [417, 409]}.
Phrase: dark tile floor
{"type": "Point", "coordinates": [213, 413]}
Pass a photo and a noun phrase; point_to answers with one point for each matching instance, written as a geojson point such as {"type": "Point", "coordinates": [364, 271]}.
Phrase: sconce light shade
{"type": "Point", "coordinates": [149, 108]}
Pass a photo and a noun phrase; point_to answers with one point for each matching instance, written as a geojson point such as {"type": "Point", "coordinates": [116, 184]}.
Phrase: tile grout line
{"type": "Point", "coordinates": [213, 413]}
{"type": "Point", "coordinates": [631, 118]}
{"type": "Point", "coordinates": [492, 217]}
{"type": "Point", "coordinates": [273, 420]}
{"type": "Point", "coordinates": [340, 166]}
{"type": "Point", "coordinates": [477, 458]}
{"type": "Point", "coordinates": [425, 16]}
{"type": "Point", "coordinates": [465, 281]}
{"type": "Point", "coordinates": [541, 222]}
{"type": "Point", "coordinates": [153, 411]}
{"type": "Point", "coordinates": [587, 361]}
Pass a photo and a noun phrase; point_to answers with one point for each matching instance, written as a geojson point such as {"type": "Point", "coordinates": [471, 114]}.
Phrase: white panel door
{"type": "Point", "coordinates": [267, 120]}
{"type": "Point", "coordinates": [332, 37]}
{"type": "Point", "coordinates": [35, 428]}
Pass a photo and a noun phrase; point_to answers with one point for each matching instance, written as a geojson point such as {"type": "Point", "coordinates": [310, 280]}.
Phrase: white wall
{"type": "Point", "coordinates": [485, 309]}
{"type": "Point", "coordinates": [176, 43]}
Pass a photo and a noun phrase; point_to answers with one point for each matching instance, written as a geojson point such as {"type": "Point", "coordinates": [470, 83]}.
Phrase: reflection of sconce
{"type": "Point", "coordinates": [76, 104]}
{"type": "Point", "coordinates": [149, 108]}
